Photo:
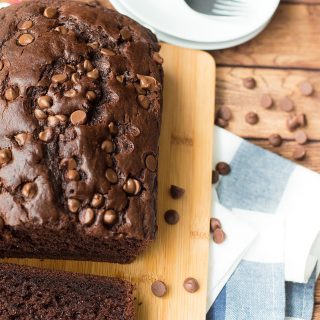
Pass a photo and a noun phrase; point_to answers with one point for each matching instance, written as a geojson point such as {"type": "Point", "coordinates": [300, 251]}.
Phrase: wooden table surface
{"type": "Point", "coordinates": [284, 55]}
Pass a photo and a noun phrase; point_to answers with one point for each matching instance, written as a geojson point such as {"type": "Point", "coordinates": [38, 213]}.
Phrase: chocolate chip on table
{"type": "Point", "coordinates": [306, 88]}
{"type": "Point", "coordinates": [286, 104]}
{"type": "Point", "coordinates": [78, 117]}
{"type": "Point", "coordinates": [45, 102]}
{"type": "Point", "coordinates": [299, 153]}
{"type": "Point", "coordinates": [110, 217]}
{"type": "Point", "coordinates": [275, 140]}
{"type": "Point", "coordinates": [171, 217]}
{"type": "Point", "coordinates": [73, 205]}
{"type": "Point", "coordinates": [91, 95]}
{"type": "Point", "coordinates": [86, 216]}
{"type": "Point", "coordinates": [39, 114]}
{"type": "Point", "coordinates": [59, 78]}
{"type": "Point", "coordinates": [191, 285]}
{"type": "Point", "coordinates": [221, 123]}
{"type": "Point", "coordinates": [215, 177]}
{"type": "Point", "coordinates": [266, 101]}
{"type": "Point", "coordinates": [29, 190]}
{"type": "Point", "coordinates": [50, 12]}
{"type": "Point", "coordinates": [223, 168]}
{"type": "Point", "coordinates": [107, 52]}
{"type": "Point", "coordinates": [151, 162]}
{"type": "Point", "coordinates": [218, 236]}
{"type": "Point", "coordinates": [301, 137]}
{"type": "Point", "coordinates": [5, 156]}
{"type": "Point", "coordinates": [94, 74]}
{"type": "Point", "coordinates": [46, 135]}
{"type": "Point", "coordinates": [108, 146]}
{"type": "Point", "coordinates": [97, 200]}
{"type": "Point", "coordinates": [249, 83]}
{"type": "Point", "coordinates": [111, 175]}
{"type": "Point", "coordinates": [214, 224]}
{"type": "Point", "coordinates": [159, 288]}
{"type": "Point", "coordinates": [25, 25]}
{"type": "Point", "coordinates": [72, 175]}
{"type": "Point", "coordinates": [143, 101]}
{"type": "Point", "coordinates": [25, 39]}
{"type": "Point", "coordinates": [11, 94]}
{"type": "Point", "coordinates": [252, 118]}
{"type": "Point", "coordinates": [157, 57]}
{"type": "Point", "coordinates": [132, 186]}
{"type": "Point", "coordinates": [176, 192]}
{"type": "Point", "coordinates": [224, 113]}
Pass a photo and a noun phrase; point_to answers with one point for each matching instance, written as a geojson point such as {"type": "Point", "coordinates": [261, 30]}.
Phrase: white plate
{"type": "Point", "coordinates": [176, 18]}
{"type": "Point", "coordinates": [190, 44]}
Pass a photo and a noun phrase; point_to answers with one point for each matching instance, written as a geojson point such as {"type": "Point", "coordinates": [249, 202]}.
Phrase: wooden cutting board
{"type": "Point", "coordinates": [181, 250]}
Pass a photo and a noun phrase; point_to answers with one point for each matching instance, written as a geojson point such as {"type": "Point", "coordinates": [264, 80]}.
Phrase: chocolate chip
{"type": "Point", "coordinates": [62, 118]}
{"type": "Point", "coordinates": [252, 118]}
{"type": "Point", "coordinates": [39, 114]}
{"type": "Point", "coordinates": [125, 34]}
{"type": "Point", "coordinates": [107, 52]}
{"type": "Point", "coordinates": [29, 190]}
{"type": "Point", "coordinates": [120, 78]}
{"type": "Point", "coordinates": [224, 113]}
{"type": "Point", "coordinates": [214, 224]}
{"type": "Point", "coordinates": [249, 83]}
{"type": "Point", "coordinates": [215, 177]}
{"type": "Point", "coordinates": [110, 217]}
{"type": "Point", "coordinates": [286, 104]}
{"type": "Point", "coordinates": [171, 217]}
{"type": "Point", "coordinates": [75, 78]}
{"type": "Point", "coordinates": [293, 122]}
{"type": "Point", "coordinates": [11, 94]}
{"type": "Point", "coordinates": [111, 175]}
{"type": "Point", "coordinates": [50, 12]}
{"type": "Point", "coordinates": [275, 140]}
{"type": "Point", "coordinates": [1, 65]}
{"type": "Point", "coordinates": [97, 200]}
{"type": "Point", "coordinates": [113, 128]}
{"type": "Point", "coordinates": [63, 30]}
{"type": "Point", "coordinates": [73, 205]}
{"type": "Point", "coordinates": [221, 123]}
{"type": "Point", "coordinates": [301, 118]}
{"type": "Point", "coordinates": [306, 88]}
{"type": "Point", "coordinates": [86, 216]}
{"type": "Point", "coordinates": [94, 45]}
{"type": "Point", "coordinates": [59, 78]}
{"type": "Point", "coordinates": [21, 138]}
{"type": "Point", "coordinates": [139, 89]}
{"type": "Point", "coordinates": [91, 95]}
{"type": "Point", "coordinates": [223, 168]}
{"type": "Point", "coordinates": [159, 288]}
{"type": "Point", "coordinates": [70, 93]}
{"type": "Point", "coordinates": [94, 74]}
{"type": "Point", "coordinates": [25, 39]}
{"type": "Point", "coordinates": [45, 102]}
{"type": "Point", "coordinates": [25, 25]}
{"type": "Point", "coordinates": [107, 146]}
{"type": "Point", "coordinates": [176, 192]}
{"type": "Point", "coordinates": [5, 156]}
{"type": "Point", "coordinates": [88, 65]}
{"type": "Point", "coordinates": [132, 186]}
{"type": "Point", "coordinates": [68, 163]}
{"type": "Point", "coordinates": [301, 137]}
{"type": "Point", "coordinates": [72, 175]}
{"type": "Point", "coordinates": [52, 121]}
{"type": "Point", "coordinates": [147, 82]}
{"type": "Point", "coordinates": [151, 162]}
{"type": "Point", "coordinates": [157, 57]}
{"type": "Point", "coordinates": [266, 101]}
{"type": "Point", "coordinates": [218, 236]}
{"type": "Point", "coordinates": [143, 101]}
{"type": "Point", "coordinates": [299, 153]}
{"type": "Point", "coordinates": [46, 135]}
{"type": "Point", "coordinates": [191, 285]}
{"type": "Point", "coordinates": [78, 117]}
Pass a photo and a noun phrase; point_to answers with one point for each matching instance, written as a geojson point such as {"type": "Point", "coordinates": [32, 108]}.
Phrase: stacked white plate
{"type": "Point", "coordinates": [175, 22]}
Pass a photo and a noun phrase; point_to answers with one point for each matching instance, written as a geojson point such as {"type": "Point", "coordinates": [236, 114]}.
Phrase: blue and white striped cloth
{"type": "Point", "coordinates": [269, 208]}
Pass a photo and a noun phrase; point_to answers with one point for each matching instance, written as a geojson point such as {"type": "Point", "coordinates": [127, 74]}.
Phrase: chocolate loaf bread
{"type": "Point", "coordinates": [31, 293]}
{"type": "Point", "coordinates": [80, 100]}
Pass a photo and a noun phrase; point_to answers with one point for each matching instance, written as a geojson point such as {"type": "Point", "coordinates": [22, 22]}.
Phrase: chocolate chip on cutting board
{"type": "Point", "coordinates": [223, 168]}
{"type": "Point", "coordinates": [252, 118]}
{"type": "Point", "coordinates": [221, 123]}
{"type": "Point", "coordinates": [191, 285]}
{"type": "Point", "coordinates": [306, 88]}
{"type": "Point", "coordinates": [299, 153]}
{"type": "Point", "coordinates": [176, 192]}
{"type": "Point", "coordinates": [214, 224]}
{"type": "Point", "coordinates": [224, 113]}
{"type": "Point", "coordinates": [159, 288]}
{"type": "Point", "coordinates": [215, 176]}
{"type": "Point", "coordinates": [275, 140]}
{"type": "Point", "coordinates": [218, 236]}
{"type": "Point", "coordinates": [266, 101]}
{"type": "Point", "coordinates": [301, 137]}
{"type": "Point", "coordinates": [249, 83]}
{"type": "Point", "coordinates": [286, 104]}
{"type": "Point", "coordinates": [171, 217]}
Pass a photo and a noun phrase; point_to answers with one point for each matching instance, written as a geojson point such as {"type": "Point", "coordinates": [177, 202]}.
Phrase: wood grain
{"type": "Point", "coordinates": [180, 251]}
{"type": "Point", "coordinates": [283, 42]}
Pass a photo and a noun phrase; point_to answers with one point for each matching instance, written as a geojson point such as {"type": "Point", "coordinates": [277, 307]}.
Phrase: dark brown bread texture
{"type": "Point", "coordinates": [34, 294]}
{"type": "Point", "coordinates": [81, 95]}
